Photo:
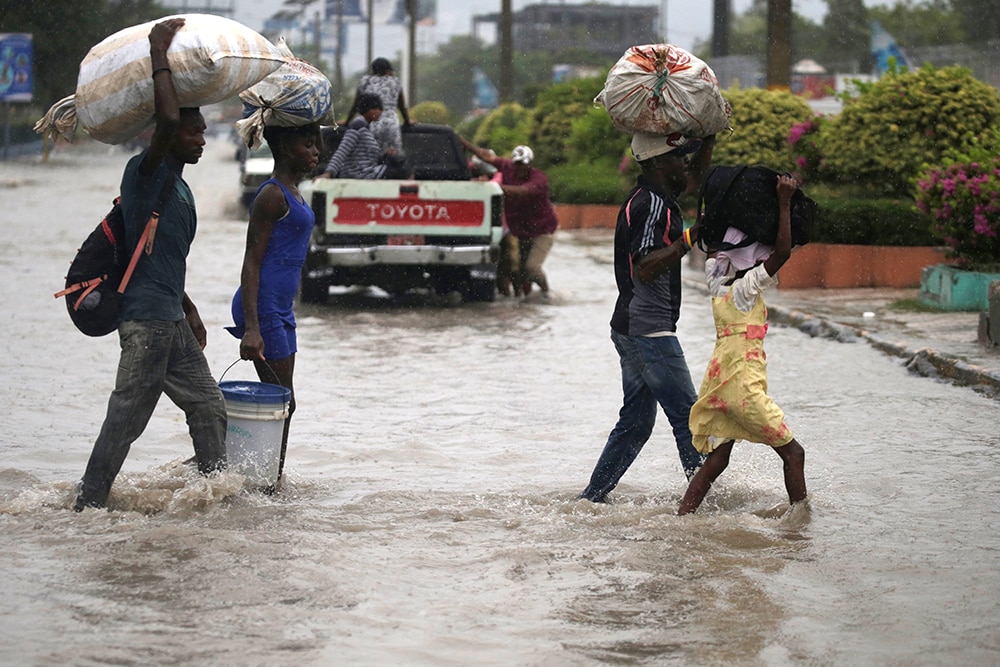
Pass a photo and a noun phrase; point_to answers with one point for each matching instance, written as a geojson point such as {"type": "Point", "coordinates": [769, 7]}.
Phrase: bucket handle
{"type": "Point", "coordinates": [238, 361]}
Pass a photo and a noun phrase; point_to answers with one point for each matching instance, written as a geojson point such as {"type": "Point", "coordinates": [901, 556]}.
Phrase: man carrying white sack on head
{"type": "Point", "coordinates": [650, 240]}
{"type": "Point", "coordinates": [162, 335]}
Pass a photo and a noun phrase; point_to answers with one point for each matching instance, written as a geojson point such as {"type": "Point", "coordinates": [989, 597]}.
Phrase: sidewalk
{"type": "Point", "coordinates": [934, 344]}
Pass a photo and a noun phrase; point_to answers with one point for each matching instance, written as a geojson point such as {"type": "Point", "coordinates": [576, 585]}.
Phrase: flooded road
{"type": "Point", "coordinates": [429, 516]}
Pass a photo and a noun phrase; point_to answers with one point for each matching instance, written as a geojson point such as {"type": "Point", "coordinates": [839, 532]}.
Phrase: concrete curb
{"type": "Point", "coordinates": [923, 361]}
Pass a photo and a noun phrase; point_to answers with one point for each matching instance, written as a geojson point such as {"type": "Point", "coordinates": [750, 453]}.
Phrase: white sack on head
{"type": "Point", "coordinates": [211, 59]}
{"type": "Point", "coordinates": [663, 89]}
{"type": "Point", "coordinates": [294, 94]}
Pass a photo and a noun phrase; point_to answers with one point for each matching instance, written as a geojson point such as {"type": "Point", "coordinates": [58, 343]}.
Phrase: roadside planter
{"type": "Point", "coordinates": [839, 266]}
{"type": "Point", "coordinates": [951, 288]}
{"type": "Point", "coordinates": [586, 216]}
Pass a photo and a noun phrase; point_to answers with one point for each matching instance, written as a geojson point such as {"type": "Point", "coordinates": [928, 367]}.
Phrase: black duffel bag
{"type": "Point", "coordinates": [746, 197]}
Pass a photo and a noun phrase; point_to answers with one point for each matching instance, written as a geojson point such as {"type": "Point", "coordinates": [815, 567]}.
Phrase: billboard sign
{"type": "Point", "coordinates": [15, 67]}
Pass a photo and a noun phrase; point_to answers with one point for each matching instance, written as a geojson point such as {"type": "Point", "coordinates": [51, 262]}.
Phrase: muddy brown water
{"type": "Point", "coordinates": [429, 516]}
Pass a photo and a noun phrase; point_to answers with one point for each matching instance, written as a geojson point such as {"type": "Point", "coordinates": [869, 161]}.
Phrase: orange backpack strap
{"type": "Point", "coordinates": [149, 233]}
{"type": "Point", "coordinates": [144, 240]}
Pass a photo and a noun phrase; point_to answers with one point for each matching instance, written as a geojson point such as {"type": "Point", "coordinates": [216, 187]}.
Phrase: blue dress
{"type": "Point", "coordinates": [280, 273]}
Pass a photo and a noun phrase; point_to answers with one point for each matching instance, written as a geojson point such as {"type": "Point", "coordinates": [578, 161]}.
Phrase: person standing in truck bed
{"type": "Point", "coordinates": [527, 209]}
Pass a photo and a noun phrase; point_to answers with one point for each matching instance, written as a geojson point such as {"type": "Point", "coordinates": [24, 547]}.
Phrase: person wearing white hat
{"type": "Point", "coordinates": [650, 240]}
{"type": "Point", "coordinates": [527, 212]}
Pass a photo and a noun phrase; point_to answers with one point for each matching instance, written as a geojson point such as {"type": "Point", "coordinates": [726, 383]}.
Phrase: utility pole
{"type": "Point", "coordinates": [370, 35]}
{"type": "Point", "coordinates": [411, 78]}
{"type": "Point", "coordinates": [339, 66]}
{"type": "Point", "coordinates": [506, 38]}
{"type": "Point", "coordinates": [779, 44]}
{"type": "Point", "coordinates": [720, 28]}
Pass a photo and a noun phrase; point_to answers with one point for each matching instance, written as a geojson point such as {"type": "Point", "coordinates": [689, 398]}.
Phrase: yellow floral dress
{"type": "Point", "coordinates": [733, 403]}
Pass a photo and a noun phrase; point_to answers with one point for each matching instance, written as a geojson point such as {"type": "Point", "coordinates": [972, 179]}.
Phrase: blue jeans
{"type": "Point", "coordinates": [653, 372]}
{"type": "Point", "coordinates": [157, 357]}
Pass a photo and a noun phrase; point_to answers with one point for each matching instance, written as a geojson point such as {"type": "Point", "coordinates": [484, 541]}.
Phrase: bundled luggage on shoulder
{"type": "Point", "coordinates": [746, 197]}
{"type": "Point", "coordinates": [663, 89]}
{"type": "Point", "coordinates": [211, 58]}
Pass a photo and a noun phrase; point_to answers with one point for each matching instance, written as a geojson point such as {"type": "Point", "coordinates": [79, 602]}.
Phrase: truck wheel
{"type": "Point", "coordinates": [314, 291]}
{"type": "Point", "coordinates": [479, 290]}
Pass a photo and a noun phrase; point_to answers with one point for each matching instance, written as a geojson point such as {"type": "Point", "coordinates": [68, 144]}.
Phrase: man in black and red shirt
{"type": "Point", "coordinates": [649, 241]}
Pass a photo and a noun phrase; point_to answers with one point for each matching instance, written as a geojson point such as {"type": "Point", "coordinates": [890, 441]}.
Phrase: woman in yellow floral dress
{"type": "Point", "coordinates": [733, 403]}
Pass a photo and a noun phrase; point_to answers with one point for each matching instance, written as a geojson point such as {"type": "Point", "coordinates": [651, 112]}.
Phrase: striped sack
{"type": "Point", "coordinates": [211, 59]}
{"type": "Point", "coordinates": [294, 94]}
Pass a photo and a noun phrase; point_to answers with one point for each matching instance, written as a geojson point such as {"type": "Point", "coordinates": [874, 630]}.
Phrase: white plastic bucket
{"type": "Point", "coordinates": [257, 413]}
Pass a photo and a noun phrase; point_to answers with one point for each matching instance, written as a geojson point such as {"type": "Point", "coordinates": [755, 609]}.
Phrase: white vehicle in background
{"type": "Point", "coordinates": [440, 230]}
{"type": "Point", "coordinates": [256, 168]}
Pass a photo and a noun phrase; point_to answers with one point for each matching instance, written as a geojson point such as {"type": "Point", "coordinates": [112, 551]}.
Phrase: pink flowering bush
{"type": "Point", "coordinates": [963, 201]}
{"type": "Point", "coordinates": [802, 139]}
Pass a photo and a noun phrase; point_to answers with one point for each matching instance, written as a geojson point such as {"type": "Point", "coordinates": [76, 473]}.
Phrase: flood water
{"type": "Point", "coordinates": [429, 515]}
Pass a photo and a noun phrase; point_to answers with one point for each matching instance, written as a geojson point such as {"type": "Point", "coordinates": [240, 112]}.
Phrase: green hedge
{"type": "Point", "coordinates": [586, 183]}
{"type": "Point", "coordinates": [868, 221]}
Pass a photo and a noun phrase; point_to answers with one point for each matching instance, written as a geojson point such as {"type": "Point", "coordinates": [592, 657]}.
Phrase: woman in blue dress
{"type": "Point", "coordinates": [277, 240]}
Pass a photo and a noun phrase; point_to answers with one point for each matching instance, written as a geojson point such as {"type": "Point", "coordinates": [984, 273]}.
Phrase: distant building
{"type": "Point", "coordinates": [598, 28]}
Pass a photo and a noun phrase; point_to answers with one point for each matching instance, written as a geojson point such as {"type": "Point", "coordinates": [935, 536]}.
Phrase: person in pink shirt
{"type": "Point", "coordinates": [527, 210]}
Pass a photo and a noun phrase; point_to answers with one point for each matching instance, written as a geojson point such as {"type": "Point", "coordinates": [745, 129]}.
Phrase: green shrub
{"type": "Point", "coordinates": [858, 220]}
{"type": "Point", "coordinates": [594, 138]}
{"type": "Point", "coordinates": [430, 112]}
{"type": "Point", "coordinates": [598, 169]}
{"type": "Point", "coordinates": [586, 183]}
{"type": "Point", "coordinates": [503, 128]}
{"type": "Point", "coordinates": [551, 117]}
{"type": "Point", "coordinates": [761, 123]}
{"type": "Point", "coordinates": [902, 122]}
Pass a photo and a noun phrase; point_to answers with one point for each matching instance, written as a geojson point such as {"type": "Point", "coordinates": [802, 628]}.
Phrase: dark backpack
{"type": "Point", "coordinates": [102, 268]}
{"type": "Point", "coordinates": [746, 197]}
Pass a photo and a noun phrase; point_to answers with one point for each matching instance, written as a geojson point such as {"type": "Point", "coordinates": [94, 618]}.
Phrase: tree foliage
{"type": "Point", "coordinates": [447, 76]}
{"type": "Point", "coordinates": [980, 18]}
{"type": "Point", "coordinates": [748, 35]}
{"type": "Point", "coordinates": [848, 35]}
{"type": "Point", "coordinates": [63, 32]}
{"type": "Point", "coordinates": [913, 24]}
{"type": "Point", "coordinates": [842, 42]}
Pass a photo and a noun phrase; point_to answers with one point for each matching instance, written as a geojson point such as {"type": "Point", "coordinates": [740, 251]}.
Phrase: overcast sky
{"type": "Point", "coordinates": [687, 21]}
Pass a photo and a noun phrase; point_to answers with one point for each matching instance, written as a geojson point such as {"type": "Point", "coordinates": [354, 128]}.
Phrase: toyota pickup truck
{"type": "Point", "coordinates": [439, 231]}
